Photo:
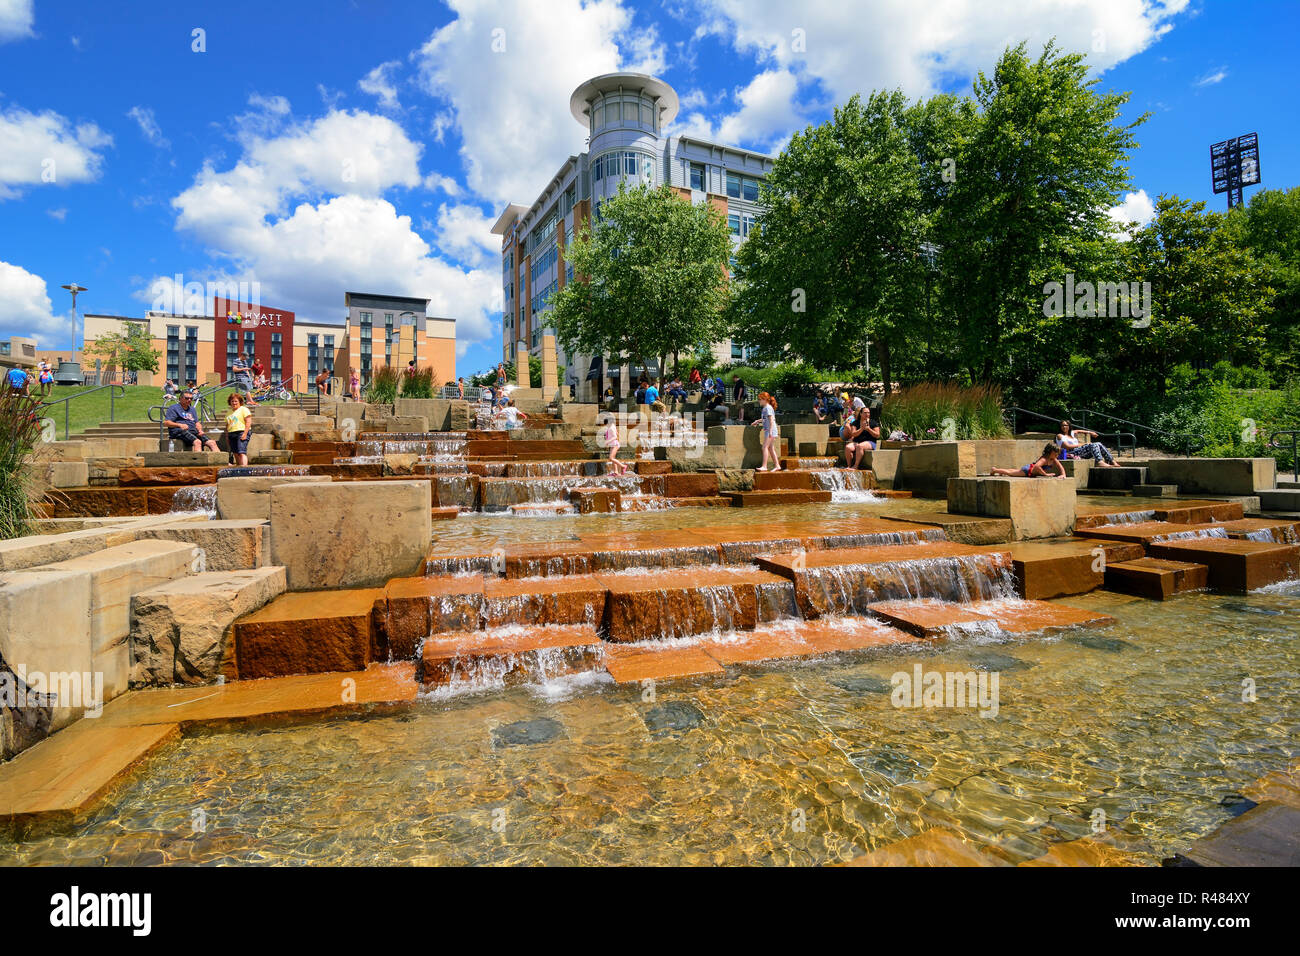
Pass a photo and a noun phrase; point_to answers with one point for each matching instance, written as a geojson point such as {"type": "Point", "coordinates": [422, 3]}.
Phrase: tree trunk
{"type": "Point", "coordinates": [882, 347]}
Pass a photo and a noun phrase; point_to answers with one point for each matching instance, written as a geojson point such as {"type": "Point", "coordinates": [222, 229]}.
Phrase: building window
{"type": "Point", "coordinates": [733, 223]}
{"type": "Point", "coordinates": [367, 318]}
{"type": "Point", "coordinates": [277, 346]}
{"type": "Point", "coordinates": [697, 176]}
{"type": "Point", "coordinates": [329, 351]}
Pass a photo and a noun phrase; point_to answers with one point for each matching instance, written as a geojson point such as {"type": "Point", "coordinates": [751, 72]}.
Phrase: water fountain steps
{"type": "Point", "coordinates": [1146, 532]}
{"type": "Point", "coordinates": [144, 477]}
{"type": "Point", "coordinates": [796, 464]}
{"type": "Point", "coordinates": [307, 632]}
{"type": "Point", "coordinates": [1156, 579]}
{"type": "Point", "coordinates": [509, 656]}
{"type": "Point", "coordinates": [110, 502]}
{"type": "Point", "coordinates": [1050, 569]}
{"type": "Point", "coordinates": [930, 618]}
{"type": "Point", "coordinates": [1189, 511]}
{"type": "Point", "coordinates": [760, 499]}
{"type": "Point", "coordinates": [686, 602]}
{"type": "Point", "coordinates": [1264, 529]}
{"type": "Point", "coordinates": [1235, 566]}
{"type": "Point", "coordinates": [847, 581]}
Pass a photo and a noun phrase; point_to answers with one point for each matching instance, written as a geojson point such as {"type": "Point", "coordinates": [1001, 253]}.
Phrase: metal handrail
{"type": "Point", "coordinates": [200, 403]}
{"type": "Point", "coordinates": [1056, 420]}
{"type": "Point", "coordinates": [1295, 462]}
{"type": "Point", "coordinates": [1083, 413]}
{"type": "Point", "coordinates": [112, 403]}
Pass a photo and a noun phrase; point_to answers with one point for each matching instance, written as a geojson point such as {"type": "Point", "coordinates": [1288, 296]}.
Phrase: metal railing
{"type": "Point", "coordinates": [1120, 443]}
{"type": "Point", "coordinates": [113, 395]}
{"type": "Point", "coordinates": [203, 409]}
{"type": "Point", "coordinates": [1080, 417]}
{"type": "Point", "coordinates": [1295, 462]}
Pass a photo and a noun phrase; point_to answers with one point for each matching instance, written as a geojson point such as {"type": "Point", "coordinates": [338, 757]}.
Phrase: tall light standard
{"type": "Point", "coordinates": [1234, 163]}
{"type": "Point", "coordinates": [70, 371]}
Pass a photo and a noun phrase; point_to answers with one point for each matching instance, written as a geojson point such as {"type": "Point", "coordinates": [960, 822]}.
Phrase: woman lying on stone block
{"type": "Point", "coordinates": [1049, 460]}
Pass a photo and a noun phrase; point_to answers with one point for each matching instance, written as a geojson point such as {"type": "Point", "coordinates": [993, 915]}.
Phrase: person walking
{"type": "Point", "coordinates": [610, 437]}
{"type": "Point", "coordinates": [16, 379]}
{"type": "Point", "coordinates": [767, 419]}
{"type": "Point", "coordinates": [46, 377]}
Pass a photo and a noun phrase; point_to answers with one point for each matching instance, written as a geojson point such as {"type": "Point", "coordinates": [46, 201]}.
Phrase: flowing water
{"type": "Point", "coordinates": [1144, 721]}
{"type": "Point", "coordinates": [195, 499]}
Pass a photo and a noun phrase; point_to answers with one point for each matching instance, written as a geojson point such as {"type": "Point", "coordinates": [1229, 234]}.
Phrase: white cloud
{"type": "Point", "coordinates": [436, 181]}
{"type": "Point", "coordinates": [902, 43]}
{"type": "Point", "coordinates": [16, 19]}
{"type": "Point", "coordinates": [25, 306]}
{"type": "Point", "coordinates": [377, 83]}
{"type": "Point", "coordinates": [516, 129]}
{"type": "Point", "coordinates": [1136, 207]}
{"type": "Point", "coordinates": [304, 214]}
{"type": "Point", "coordinates": [47, 148]}
{"type": "Point", "coordinates": [60, 214]}
{"type": "Point", "coordinates": [466, 233]}
{"type": "Point", "coordinates": [767, 109]}
{"type": "Point", "coordinates": [148, 123]}
{"type": "Point", "coordinates": [1214, 76]}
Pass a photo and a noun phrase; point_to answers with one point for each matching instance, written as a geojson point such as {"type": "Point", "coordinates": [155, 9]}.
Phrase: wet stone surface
{"type": "Point", "coordinates": [996, 661]}
{"type": "Point", "coordinates": [539, 730]}
{"type": "Point", "coordinates": [1098, 643]}
{"type": "Point", "coordinates": [863, 685]}
{"type": "Point", "coordinates": [673, 715]}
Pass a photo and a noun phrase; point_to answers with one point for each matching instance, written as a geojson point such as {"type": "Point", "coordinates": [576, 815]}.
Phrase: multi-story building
{"type": "Point", "coordinates": [625, 115]}
{"type": "Point", "coordinates": [377, 330]}
{"type": "Point", "coordinates": [393, 330]}
{"type": "Point", "coordinates": [18, 352]}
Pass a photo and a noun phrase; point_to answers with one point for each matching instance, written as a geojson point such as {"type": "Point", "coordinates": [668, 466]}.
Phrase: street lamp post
{"type": "Point", "coordinates": [70, 371]}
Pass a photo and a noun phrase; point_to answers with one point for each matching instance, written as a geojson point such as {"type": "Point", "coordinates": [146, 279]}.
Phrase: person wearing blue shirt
{"type": "Point", "coordinates": [183, 424]}
{"type": "Point", "coordinates": [17, 379]}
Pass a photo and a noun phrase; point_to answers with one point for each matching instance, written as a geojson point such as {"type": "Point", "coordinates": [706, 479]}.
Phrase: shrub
{"type": "Point", "coordinates": [383, 386]}
{"type": "Point", "coordinates": [20, 431]}
{"type": "Point", "coordinates": [419, 383]}
{"type": "Point", "coordinates": [944, 410]}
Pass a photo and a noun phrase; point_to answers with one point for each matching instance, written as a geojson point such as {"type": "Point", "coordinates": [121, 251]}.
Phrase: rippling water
{"type": "Point", "coordinates": [1144, 720]}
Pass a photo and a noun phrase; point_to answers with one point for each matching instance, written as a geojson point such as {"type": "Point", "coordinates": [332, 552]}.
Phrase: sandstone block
{"type": "Point", "coordinates": [250, 498]}
{"type": "Point", "coordinates": [350, 534]}
{"type": "Point", "coordinates": [1037, 507]}
{"type": "Point", "coordinates": [226, 545]}
{"type": "Point", "coordinates": [181, 631]}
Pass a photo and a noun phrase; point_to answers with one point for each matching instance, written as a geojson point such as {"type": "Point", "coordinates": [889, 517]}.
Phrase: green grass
{"type": "Point", "coordinates": [93, 410]}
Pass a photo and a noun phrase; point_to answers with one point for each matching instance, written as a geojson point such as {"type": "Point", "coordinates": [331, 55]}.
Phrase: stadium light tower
{"type": "Point", "coordinates": [1234, 163]}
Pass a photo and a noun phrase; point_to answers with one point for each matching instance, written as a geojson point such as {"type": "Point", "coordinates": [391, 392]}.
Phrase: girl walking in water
{"type": "Point", "coordinates": [767, 419]}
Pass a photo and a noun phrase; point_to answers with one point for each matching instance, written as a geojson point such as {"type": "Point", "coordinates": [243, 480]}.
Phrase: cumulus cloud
{"type": "Point", "coordinates": [465, 232]}
{"type": "Point", "coordinates": [1135, 208]}
{"type": "Point", "coordinates": [47, 148]}
{"type": "Point", "coordinates": [901, 43]}
{"type": "Point", "coordinates": [148, 124]}
{"type": "Point", "coordinates": [16, 19]}
{"type": "Point", "coordinates": [536, 54]}
{"type": "Point", "coordinates": [379, 84]}
{"type": "Point", "coordinates": [26, 308]}
{"type": "Point", "coordinates": [305, 213]}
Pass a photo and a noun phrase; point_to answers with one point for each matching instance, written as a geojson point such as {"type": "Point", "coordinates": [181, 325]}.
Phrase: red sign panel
{"type": "Point", "coordinates": [257, 332]}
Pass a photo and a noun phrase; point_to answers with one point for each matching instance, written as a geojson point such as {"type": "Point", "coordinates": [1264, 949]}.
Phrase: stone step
{"type": "Point", "coordinates": [1276, 530]}
{"type": "Point", "coordinates": [139, 477]}
{"type": "Point", "coordinates": [1049, 569]}
{"type": "Point", "coordinates": [509, 655]}
{"type": "Point", "coordinates": [1155, 491]}
{"type": "Point", "coordinates": [308, 632]}
{"type": "Point", "coordinates": [110, 502]}
{"type": "Point", "coordinates": [574, 599]}
{"type": "Point", "coordinates": [759, 499]}
{"type": "Point", "coordinates": [1279, 499]}
{"type": "Point", "coordinates": [931, 618]}
{"type": "Point", "coordinates": [595, 500]}
{"type": "Point", "coordinates": [799, 464]}
{"type": "Point", "coordinates": [791, 480]}
{"type": "Point", "coordinates": [685, 602]}
{"type": "Point", "coordinates": [542, 508]}
{"type": "Point", "coordinates": [847, 581]}
{"type": "Point", "coordinates": [1235, 566]}
{"type": "Point", "coordinates": [1146, 533]}
{"type": "Point", "coordinates": [1156, 578]}
{"type": "Point", "coordinates": [1116, 479]}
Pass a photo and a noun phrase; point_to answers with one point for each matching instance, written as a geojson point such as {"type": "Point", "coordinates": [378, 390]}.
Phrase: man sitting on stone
{"type": "Point", "coordinates": [183, 425]}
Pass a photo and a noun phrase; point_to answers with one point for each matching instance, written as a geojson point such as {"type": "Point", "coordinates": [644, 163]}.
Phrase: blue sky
{"type": "Point", "coordinates": [320, 147]}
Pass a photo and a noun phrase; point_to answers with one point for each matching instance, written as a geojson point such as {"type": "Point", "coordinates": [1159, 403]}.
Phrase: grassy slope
{"type": "Point", "coordinates": [87, 412]}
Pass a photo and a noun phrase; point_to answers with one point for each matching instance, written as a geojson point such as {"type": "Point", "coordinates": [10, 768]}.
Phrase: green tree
{"type": "Point", "coordinates": [650, 277]}
{"type": "Point", "coordinates": [837, 261]}
{"type": "Point", "coordinates": [1209, 293]}
{"type": "Point", "coordinates": [130, 351]}
{"type": "Point", "coordinates": [1034, 181]}
{"type": "Point", "coordinates": [1270, 226]}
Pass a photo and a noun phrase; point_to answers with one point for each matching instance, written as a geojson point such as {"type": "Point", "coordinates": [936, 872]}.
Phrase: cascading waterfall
{"type": "Point", "coordinates": [1191, 535]}
{"type": "Point", "coordinates": [195, 498]}
{"type": "Point", "coordinates": [882, 538]}
{"type": "Point", "coordinates": [845, 589]}
{"type": "Point", "coordinates": [1129, 517]}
